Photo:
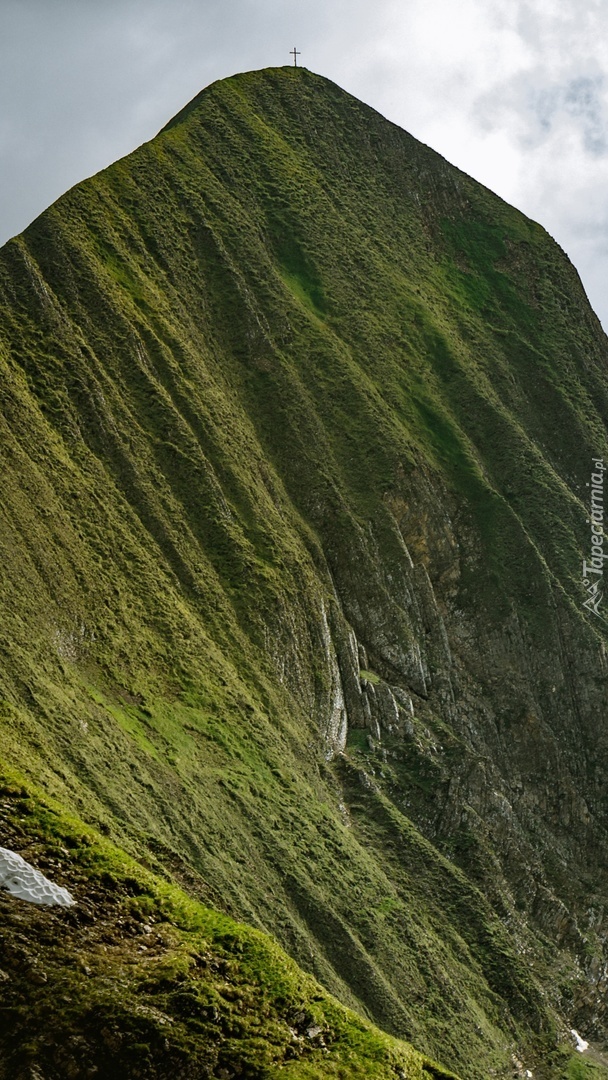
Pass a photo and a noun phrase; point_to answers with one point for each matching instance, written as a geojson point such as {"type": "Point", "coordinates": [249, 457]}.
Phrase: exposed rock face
{"type": "Point", "coordinates": [297, 423]}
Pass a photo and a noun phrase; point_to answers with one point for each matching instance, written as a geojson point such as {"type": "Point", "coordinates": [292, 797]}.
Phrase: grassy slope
{"type": "Point", "coordinates": [139, 980]}
{"type": "Point", "coordinates": [225, 361]}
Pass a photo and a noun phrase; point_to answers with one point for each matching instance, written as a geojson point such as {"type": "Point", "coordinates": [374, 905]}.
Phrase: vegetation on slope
{"type": "Point", "coordinates": [296, 426]}
{"type": "Point", "coordinates": [139, 980]}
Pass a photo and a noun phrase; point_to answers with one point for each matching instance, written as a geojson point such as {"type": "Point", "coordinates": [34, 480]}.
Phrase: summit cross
{"type": "Point", "coordinates": [295, 53]}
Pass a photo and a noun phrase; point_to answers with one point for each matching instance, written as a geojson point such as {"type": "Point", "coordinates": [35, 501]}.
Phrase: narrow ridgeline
{"type": "Point", "coordinates": [300, 700]}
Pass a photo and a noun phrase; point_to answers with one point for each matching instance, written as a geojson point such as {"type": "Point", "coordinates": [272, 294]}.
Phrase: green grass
{"type": "Point", "coordinates": [370, 676]}
{"type": "Point", "coordinates": [282, 377]}
{"type": "Point", "coordinates": [139, 977]}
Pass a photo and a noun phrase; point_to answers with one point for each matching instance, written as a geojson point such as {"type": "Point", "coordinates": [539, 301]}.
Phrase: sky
{"type": "Point", "coordinates": [514, 92]}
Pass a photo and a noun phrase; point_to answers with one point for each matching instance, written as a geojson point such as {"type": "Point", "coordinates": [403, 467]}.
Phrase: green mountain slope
{"type": "Point", "coordinates": [297, 422]}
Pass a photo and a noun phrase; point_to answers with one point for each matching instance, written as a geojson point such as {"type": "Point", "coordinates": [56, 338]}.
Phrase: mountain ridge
{"type": "Point", "coordinates": [296, 426]}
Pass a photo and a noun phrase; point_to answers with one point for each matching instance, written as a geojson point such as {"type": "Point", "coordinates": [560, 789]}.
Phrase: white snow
{"type": "Point", "coordinates": [581, 1044]}
{"type": "Point", "coordinates": [22, 880]}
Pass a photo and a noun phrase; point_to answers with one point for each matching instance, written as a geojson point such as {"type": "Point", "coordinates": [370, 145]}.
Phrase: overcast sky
{"type": "Point", "coordinates": [515, 92]}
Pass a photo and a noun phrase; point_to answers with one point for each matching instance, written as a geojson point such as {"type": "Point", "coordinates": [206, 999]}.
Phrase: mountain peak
{"type": "Point", "coordinates": [298, 430]}
{"type": "Point", "coordinates": [253, 82]}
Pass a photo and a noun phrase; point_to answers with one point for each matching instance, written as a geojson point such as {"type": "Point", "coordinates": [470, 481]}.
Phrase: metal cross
{"type": "Point", "coordinates": [295, 53]}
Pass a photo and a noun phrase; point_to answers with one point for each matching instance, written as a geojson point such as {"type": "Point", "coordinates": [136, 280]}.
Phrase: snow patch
{"type": "Point", "coordinates": [22, 880]}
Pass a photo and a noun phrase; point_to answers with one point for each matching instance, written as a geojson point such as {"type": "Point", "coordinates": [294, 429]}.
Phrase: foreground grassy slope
{"type": "Point", "coordinates": [286, 398]}
{"type": "Point", "coordinates": [152, 983]}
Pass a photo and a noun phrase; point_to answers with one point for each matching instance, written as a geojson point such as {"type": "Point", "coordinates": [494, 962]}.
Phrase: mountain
{"type": "Point", "coordinates": [300, 698]}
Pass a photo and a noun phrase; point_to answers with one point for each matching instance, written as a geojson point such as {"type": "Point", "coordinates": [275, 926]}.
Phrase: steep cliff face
{"type": "Point", "coordinates": [298, 424]}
